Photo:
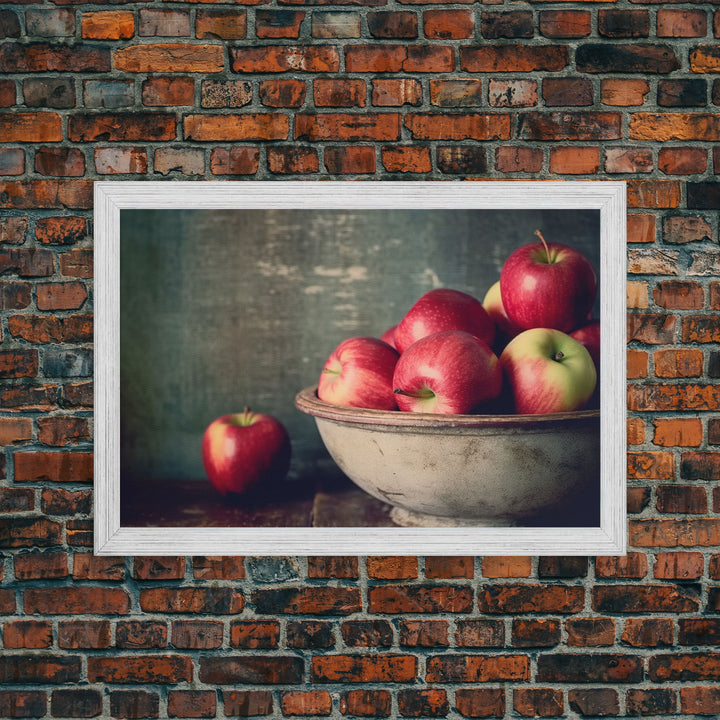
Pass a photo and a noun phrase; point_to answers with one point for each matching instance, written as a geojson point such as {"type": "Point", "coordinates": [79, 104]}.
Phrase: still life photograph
{"type": "Point", "coordinates": [365, 366]}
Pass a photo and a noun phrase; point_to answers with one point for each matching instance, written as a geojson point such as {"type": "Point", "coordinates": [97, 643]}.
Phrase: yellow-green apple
{"type": "Point", "coordinates": [548, 372]}
{"type": "Point", "coordinates": [443, 309]}
{"type": "Point", "coordinates": [447, 372]}
{"type": "Point", "coordinates": [589, 336]}
{"type": "Point", "coordinates": [244, 450]}
{"type": "Point", "coordinates": [492, 302]}
{"type": "Point", "coordinates": [359, 373]}
{"type": "Point", "coordinates": [547, 285]}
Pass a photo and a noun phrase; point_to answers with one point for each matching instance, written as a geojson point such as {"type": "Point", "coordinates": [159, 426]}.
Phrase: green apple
{"type": "Point", "coordinates": [548, 372]}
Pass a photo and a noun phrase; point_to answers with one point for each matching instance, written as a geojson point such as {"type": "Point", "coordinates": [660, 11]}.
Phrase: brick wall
{"type": "Point", "coordinates": [369, 89]}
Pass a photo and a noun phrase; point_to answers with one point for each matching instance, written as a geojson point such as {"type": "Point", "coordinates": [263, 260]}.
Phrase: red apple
{"type": "Point", "coordinates": [359, 373]}
{"type": "Point", "coordinates": [443, 309]}
{"type": "Point", "coordinates": [389, 336]}
{"type": "Point", "coordinates": [548, 372]}
{"type": "Point", "coordinates": [547, 285]}
{"type": "Point", "coordinates": [492, 302]}
{"type": "Point", "coordinates": [589, 336]}
{"type": "Point", "coordinates": [448, 372]}
{"type": "Point", "coordinates": [244, 450]}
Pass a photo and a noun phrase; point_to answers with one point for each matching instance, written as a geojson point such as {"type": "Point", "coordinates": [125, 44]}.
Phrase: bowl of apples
{"type": "Point", "coordinates": [475, 413]}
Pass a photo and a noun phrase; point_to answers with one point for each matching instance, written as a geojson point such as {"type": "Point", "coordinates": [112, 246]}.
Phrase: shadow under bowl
{"type": "Point", "coordinates": [474, 470]}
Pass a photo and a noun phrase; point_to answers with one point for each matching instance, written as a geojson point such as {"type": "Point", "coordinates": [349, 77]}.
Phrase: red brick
{"type": "Point", "coordinates": [191, 703]}
{"type": "Point", "coordinates": [572, 125]}
{"type": "Point", "coordinates": [7, 93]}
{"type": "Point", "coordinates": [680, 362]}
{"type": "Point", "coordinates": [168, 91]}
{"type": "Point", "coordinates": [278, 23]}
{"type": "Point", "coordinates": [430, 702]}
{"type": "Point", "coordinates": [480, 702]}
{"type": "Point", "coordinates": [700, 700]}
{"type": "Point", "coordinates": [12, 161]}
{"type": "Point", "coordinates": [529, 633]}
{"type": "Point", "coordinates": [13, 230]}
{"type": "Point", "coordinates": [684, 229]}
{"type": "Point", "coordinates": [60, 162]}
{"type": "Point", "coordinates": [347, 126]}
{"type": "Point", "coordinates": [312, 600]}
{"type": "Point", "coordinates": [136, 634]}
{"type": "Point", "coordinates": [236, 160]}
{"type": "Point", "coordinates": [700, 329]}
{"type": "Point", "coordinates": [660, 701]}
{"type": "Point", "coordinates": [635, 431]}
{"type": "Point", "coordinates": [61, 194]}
{"type": "Point", "coordinates": [121, 127]}
{"type": "Point", "coordinates": [332, 92]}
{"type": "Point", "coordinates": [76, 600]}
{"type": "Point", "coordinates": [448, 24]}
{"type": "Point", "coordinates": [120, 161]}
{"type": "Point", "coordinates": [682, 160]}
{"type": "Point", "coordinates": [476, 126]}
{"type": "Point", "coordinates": [197, 634]}
{"type": "Point", "coordinates": [218, 568]}
{"type": "Point", "coordinates": [309, 634]}
{"type": "Point", "coordinates": [225, 93]}
{"type": "Point", "coordinates": [108, 25]}
{"type": "Point", "coordinates": [350, 159]}
{"type": "Point", "coordinates": [308, 702]}
{"type": "Point", "coordinates": [623, 93]}
{"type": "Point", "coordinates": [134, 704]}
{"type": "Point", "coordinates": [456, 93]}
{"type": "Point", "coordinates": [15, 430]}
{"type": "Point", "coordinates": [637, 295]}
{"type": "Point", "coordinates": [678, 566]}
{"type": "Point", "coordinates": [670, 432]}
{"type": "Point", "coordinates": [628, 160]}
{"type": "Point", "coordinates": [366, 703]}
{"type": "Point", "coordinates": [49, 57]}
{"type": "Point", "coordinates": [77, 263]}
{"type": "Point", "coordinates": [648, 632]}
{"type": "Point", "coordinates": [39, 668]}
{"type": "Point", "coordinates": [390, 25]}
{"type": "Point", "coordinates": [417, 598]}
{"type": "Point", "coordinates": [163, 22]}
{"type": "Point", "coordinates": [184, 161]}
{"type": "Point", "coordinates": [477, 668]}
{"type": "Point", "coordinates": [16, 500]}
{"type": "Point", "coordinates": [573, 92]}
{"type": "Point", "coordinates": [254, 635]}
{"type": "Point", "coordinates": [53, 467]}
{"type": "Point", "coordinates": [679, 295]}
{"type": "Point", "coordinates": [480, 633]}
{"type": "Point", "coordinates": [502, 566]}
{"type": "Point", "coordinates": [87, 566]}
{"type": "Point", "coordinates": [538, 702]}
{"type": "Point", "coordinates": [29, 397]}
{"type": "Point", "coordinates": [62, 430]}
{"type": "Point", "coordinates": [681, 23]}
{"type": "Point", "coordinates": [58, 501]}
{"type": "Point", "coordinates": [223, 128]}
{"type": "Point", "coordinates": [700, 465]}
{"type": "Point", "coordinates": [61, 296]}
{"type": "Point", "coordinates": [23, 703]}
{"type": "Point", "coordinates": [27, 634]}
{"type": "Point", "coordinates": [589, 668]}
{"type": "Point", "coordinates": [666, 126]}
{"type": "Point", "coordinates": [574, 160]}
{"type": "Point", "coordinates": [248, 703]}
{"type": "Point", "coordinates": [530, 598]}
{"type": "Point", "coordinates": [18, 363]}
{"type": "Point", "coordinates": [169, 57]}
{"type": "Point", "coordinates": [282, 93]}
{"type": "Point", "coordinates": [565, 23]}
{"type": "Point", "coordinates": [449, 567]}
{"type": "Point", "coordinates": [651, 464]}
{"type": "Point", "coordinates": [367, 633]}
{"type": "Point", "coordinates": [363, 668]}
{"type": "Point", "coordinates": [510, 158]}
{"type": "Point", "coordinates": [27, 262]}
{"type": "Point", "coordinates": [590, 632]}
{"type": "Point", "coordinates": [159, 568]}
{"type": "Point", "coordinates": [218, 600]}
{"type": "Point", "coordinates": [512, 93]}
{"type": "Point", "coordinates": [513, 58]}
{"type": "Point", "coordinates": [653, 328]}
{"type": "Point", "coordinates": [228, 24]}
{"type": "Point", "coordinates": [282, 58]}
{"type": "Point", "coordinates": [406, 159]}
{"type": "Point", "coordinates": [633, 565]}
{"type": "Point", "coordinates": [424, 633]}
{"type": "Point", "coordinates": [398, 58]}
{"type": "Point", "coordinates": [396, 92]}
{"type": "Point", "coordinates": [665, 532]}
{"type": "Point", "coordinates": [244, 669]}
{"type": "Point", "coordinates": [167, 669]}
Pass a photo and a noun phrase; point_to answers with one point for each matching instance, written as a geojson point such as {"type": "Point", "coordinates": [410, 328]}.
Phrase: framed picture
{"type": "Point", "coordinates": [213, 298]}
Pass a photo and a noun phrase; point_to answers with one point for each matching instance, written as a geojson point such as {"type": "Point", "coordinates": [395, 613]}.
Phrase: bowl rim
{"type": "Point", "coordinates": [308, 402]}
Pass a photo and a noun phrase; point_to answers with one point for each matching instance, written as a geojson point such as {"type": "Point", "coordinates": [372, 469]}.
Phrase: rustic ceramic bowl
{"type": "Point", "coordinates": [445, 470]}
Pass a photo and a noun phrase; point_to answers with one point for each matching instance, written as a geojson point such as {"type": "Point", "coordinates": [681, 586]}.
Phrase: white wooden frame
{"type": "Point", "coordinates": [112, 539]}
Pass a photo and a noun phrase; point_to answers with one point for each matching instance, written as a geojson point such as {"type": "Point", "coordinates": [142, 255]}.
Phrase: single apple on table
{"type": "Point", "coordinates": [548, 372]}
{"type": "Point", "coordinates": [547, 285]}
{"type": "Point", "coordinates": [242, 451]}
{"type": "Point", "coordinates": [443, 309]}
{"type": "Point", "coordinates": [447, 372]}
{"type": "Point", "coordinates": [359, 373]}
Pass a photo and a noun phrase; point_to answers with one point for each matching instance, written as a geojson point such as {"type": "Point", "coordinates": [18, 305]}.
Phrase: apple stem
{"type": "Point", "coordinates": [420, 394]}
{"type": "Point", "coordinates": [545, 245]}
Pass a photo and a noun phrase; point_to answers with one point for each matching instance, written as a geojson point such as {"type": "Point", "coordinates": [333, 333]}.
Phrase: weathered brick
{"type": "Point", "coordinates": [12, 161]}
{"type": "Point", "coordinates": [258, 670]}
{"type": "Point", "coordinates": [332, 92]}
{"type": "Point", "coordinates": [169, 57]}
{"type": "Point", "coordinates": [623, 93]}
{"type": "Point", "coordinates": [223, 128]}
{"type": "Point", "coordinates": [480, 702]}
{"type": "Point", "coordinates": [230, 24]}
{"type": "Point", "coordinates": [225, 93]}
{"type": "Point", "coordinates": [308, 702]}
{"type": "Point", "coordinates": [60, 162]}
{"type": "Point", "coordinates": [498, 566]}
{"type": "Point", "coordinates": [513, 58]}
{"type": "Point", "coordinates": [530, 598]}
{"type": "Point", "coordinates": [637, 295]}
{"type": "Point", "coordinates": [350, 159]}
{"type": "Point", "coordinates": [572, 566]}
{"type": "Point", "coordinates": [237, 160]}
{"type": "Point", "coordinates": [13, 230]}
{"type": "Point", "coordinates": [367, 633]}
{"type": "Point", "coordinates": [47, 57]}
{"type": "Point", "coordinates": [570, 126]}
{"type": "Point", "coordinates": [120, 160]}
{"type": "Point", "coordinates": [366, 703]}
{"type": "Point", "coordinates": [192, 703]}
{"type": "Point", "coordinates": [219, 600]}
{"type": "Point", "coordinates": [700, 700]}
{"type": "Point", "coordinates": [457, 93]}
{"type": "Point", "coordinates": [311, 634]}
{"type": "Point", "coordinates": [62, 430]}
{"type": "Point", "coordinates": [417, 598]}
{"type": "Point", "coordinates": [168, 91]}
{"type": "Point", "coordinates": [600, 702]}
{"type": "Point", "coordinates": [254, 635]}
{"type": "Point", "coordinates": [282, 93]}
{"type": "Point", "coordinates": [590, 632]}
{"type": "Point", "coordinates": [652, 701]}
{"type": "Point", "coordinates": [610, 58]}
{"type": "Point", "coordinates": [30, 127]}
{"type": "Point", "coordinates": [406, 159]}
{"type": "Point", "coordinates": [448, 24]}
{"type": "Point", "coordinates": [163, 22]}
{"type": "Point", "coordinates": [461, 159]}
{"type": "Point", "coordinates": [399, 24]}
{"type": "Point", "coordinates": [678, 230]}
{"type": "Point", "coordinates": [678, 566]}
{"type": "Point", "coordinates": [678, 362]}
{"type": "Point", "coordinates": [681, 23]}
{"type": "Point", "coordinates": [518, 159]}
{"type": "Point", "coordinates": [121, 127]}
{"type": "Point", "coordinates": [480, 633]}
{"type": "Point", "coordinates": [474, 126]}
{"type": "Point", "coordinates": [247, 703]}
{"type": "Point", "coordinates": [347, 127]}
{"type": "Point", "coordinates": [108, 25]}
{"type": "Point", "coordinates": [336, 24]}
{"type": "Point", "coordinates": [167, 669]}
{"type": "Point", "coordinates": [197, 634]}
{"type": "Point", "coordinates": [9, 24]}
{"type": "Point", "coordinates": [108, 93]}
{"type": "Point", "coordinates": [18, 363]}
{"type": "Point", "coordinates": [27, 634]}
{"type": "Point", "coordinates": [669, 432]}
{"type": "Point", "coordinates": [424, 633]}
{"type": "Point", "coordinates": [396, 92]}
{"type": "Point", "coordinates": [311, 600]}
{"type": "Point", "coordinates": [282, 58]}
{"type": "Point", "coordinates": [278, 23]}
{"type": "Point", "coordinates": [623, 23]}
{"type": "Point", "coordinates": [665, 126]}
{"type": "Point", "coordinates": [430, 702]}
{"type": "Point", "coordinates": [453, 668]}
{"type": "Point", "coordinates": [39, 669]}
{"type": "Point", "coordinates": [511, 93]}
{"type": "Point", "coordinates": [23, 703]}
{"type": "Point", "coordinates": [58, 362]}
{"type": "Point", "coordinates": [574, 160]}
{"type": "Point", "coordinates": [590, 668]}
{"type": "Point", "coordinates": [529, 633]}
{"type": "Point", "coordinates": [538, 702]}
{"type": "Point", "coordinates": [134, 634]}
{"type": "Point", "coordinates": [181, 160]}
{"type": "Point", "coordinates": [134, 704]}
{"type": "Point", "coordinates": [648, 632]}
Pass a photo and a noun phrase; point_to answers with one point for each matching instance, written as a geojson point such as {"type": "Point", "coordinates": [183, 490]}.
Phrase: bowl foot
{"type": "Point", "coordinates": [410, 518]}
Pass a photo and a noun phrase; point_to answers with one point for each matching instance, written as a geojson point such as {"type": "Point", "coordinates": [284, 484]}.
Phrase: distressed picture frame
{"type": "Point", "coordinates": [113, 203]}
